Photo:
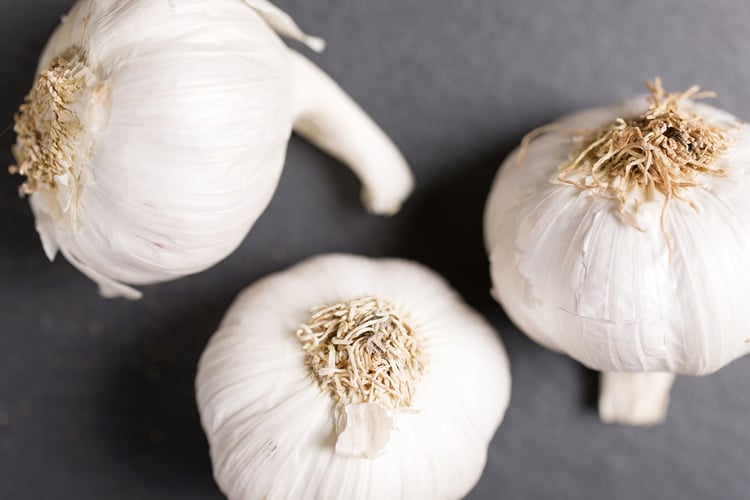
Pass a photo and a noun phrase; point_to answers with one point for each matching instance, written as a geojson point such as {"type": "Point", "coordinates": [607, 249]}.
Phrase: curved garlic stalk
{"type": "Point", "coordinates": [326, 116]}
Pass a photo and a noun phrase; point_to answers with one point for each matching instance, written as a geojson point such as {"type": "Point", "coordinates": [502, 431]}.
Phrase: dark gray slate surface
{"type": "Point", "coordinates": [96, 395]}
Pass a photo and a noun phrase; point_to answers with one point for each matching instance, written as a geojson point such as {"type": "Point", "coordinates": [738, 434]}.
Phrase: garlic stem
{"type": "Point", "coordinates": [634, 398]}
{"type": "Point", "coordinates": [363, 430]}
{"type": "Point", "coordinates": [326, 116]}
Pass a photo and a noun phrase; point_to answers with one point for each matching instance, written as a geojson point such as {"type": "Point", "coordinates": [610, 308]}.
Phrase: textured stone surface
{"type": "Point", "coordinates": [96, 396]}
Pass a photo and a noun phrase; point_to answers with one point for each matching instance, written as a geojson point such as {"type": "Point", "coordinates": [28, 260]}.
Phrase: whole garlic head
{"type": "Point", "coordinates": [156, 131]}
{"type": "Point", "coordinates": [629, 274]}
{"type": "Point", "coordinates": [351, 378]}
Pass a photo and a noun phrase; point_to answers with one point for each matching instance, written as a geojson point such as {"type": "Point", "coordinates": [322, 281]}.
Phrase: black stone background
{"type": "Point", "coordinates": [96, 396]}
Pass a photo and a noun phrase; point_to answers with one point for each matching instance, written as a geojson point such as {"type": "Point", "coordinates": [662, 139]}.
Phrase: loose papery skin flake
{"type": "Point", "coordinates": [276, 433]}
{"type": "Point", "coordinates": [173, 144]}
{"type": "Point", "coordinates": [640, 294]}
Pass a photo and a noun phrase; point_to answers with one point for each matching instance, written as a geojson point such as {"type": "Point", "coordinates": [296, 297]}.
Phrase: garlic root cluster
{"type": "Point", "coordinates": [155, 134]}
{"type": "Point", "coordinates": [351, 378]}
{"type": "Point", "coordinates": [616, 236]}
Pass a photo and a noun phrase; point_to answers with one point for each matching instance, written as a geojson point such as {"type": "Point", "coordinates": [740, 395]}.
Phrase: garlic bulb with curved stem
{"type": "Point", "coordinates": [156, 131]}
{"type": "Point", "coordinates": [351, 378]}
{"type": "Point", "coordinates": [617, 238]}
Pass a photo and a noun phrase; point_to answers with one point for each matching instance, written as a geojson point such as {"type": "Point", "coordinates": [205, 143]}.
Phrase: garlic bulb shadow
{"type": "Point", "coordinates": [148, 410]}
{"type": "Point", "coordinates": [170, 132]}
{"type": "Point", "coordinates": [441, 227]}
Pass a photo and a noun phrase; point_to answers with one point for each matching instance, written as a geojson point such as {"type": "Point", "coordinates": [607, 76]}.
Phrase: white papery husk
{"type": "Point", "coordinates": [185, 133]}
{"type": "Point", "coordinates": [578, 278]}
{"type": "Point", "coordinates": [271, 428]}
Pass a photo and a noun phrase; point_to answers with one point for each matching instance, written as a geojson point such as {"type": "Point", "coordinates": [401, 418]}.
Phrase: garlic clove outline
{"type": "Point", "coordinates": [363, 430]}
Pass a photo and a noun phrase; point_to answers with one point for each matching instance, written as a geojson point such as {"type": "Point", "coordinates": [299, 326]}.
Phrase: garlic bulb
{"type": "Point", "coordinates": [619, 237]}
{"type": "Point", "coordinates": [155, 134]}
{"type": "Point", "coordinates": [351, 378]}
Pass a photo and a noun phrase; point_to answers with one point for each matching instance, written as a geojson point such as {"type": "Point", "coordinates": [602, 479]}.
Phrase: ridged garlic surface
{"type": "Point", "coordinates": [398, 397]}
{"type": "Point", "coordinates": [156, 131]}
{"type": "Point", "coordinates": [626, 285]}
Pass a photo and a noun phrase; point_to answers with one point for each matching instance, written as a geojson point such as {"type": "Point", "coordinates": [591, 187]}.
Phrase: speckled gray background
{"type": "Point", "coordinates": [96, 395]}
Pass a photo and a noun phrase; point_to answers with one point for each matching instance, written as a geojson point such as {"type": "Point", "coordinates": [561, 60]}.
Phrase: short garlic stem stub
{"type": "Point", "coordinates": [635, 398]}
{"type": "Point", "coordinates": [368, 358]}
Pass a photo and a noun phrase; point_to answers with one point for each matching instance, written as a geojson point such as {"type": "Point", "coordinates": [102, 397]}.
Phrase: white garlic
{"type": "Point", "coordinates": [619, 279]}
{"type": "Point", "coordinates": [156, 131]}
{"type": "Point", "coordinates": [390, 388]}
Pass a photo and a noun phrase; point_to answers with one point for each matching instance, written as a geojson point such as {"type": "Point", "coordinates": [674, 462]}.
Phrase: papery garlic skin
{"type": "Point", "coordinates": [577, 278]}
{"type": "Point", "coordinates": [187, 112]}
{"type": "Point", "coordinates": [272, 429]}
